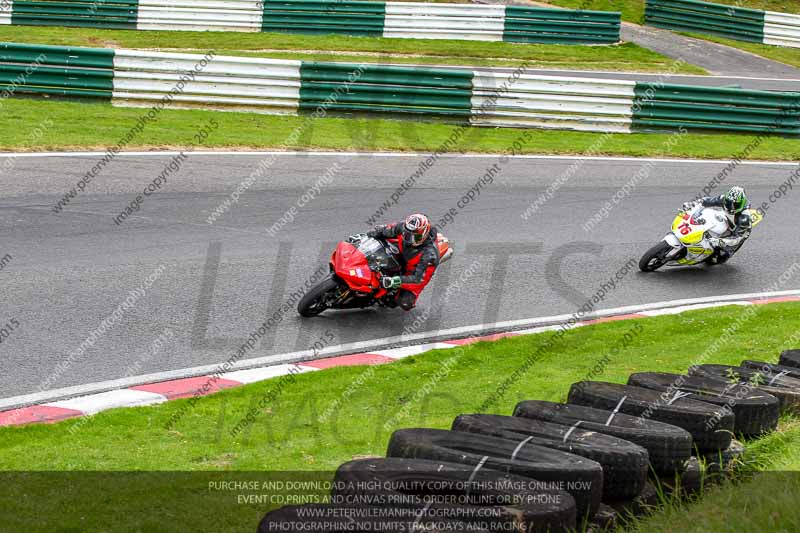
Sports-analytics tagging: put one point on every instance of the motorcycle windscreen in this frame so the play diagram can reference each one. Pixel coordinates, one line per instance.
(378, 257)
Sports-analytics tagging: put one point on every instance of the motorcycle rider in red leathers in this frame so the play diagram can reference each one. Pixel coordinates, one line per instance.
(415, 239)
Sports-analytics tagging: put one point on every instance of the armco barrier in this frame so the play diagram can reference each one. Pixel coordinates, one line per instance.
(716, 108)
(479, 98)
(266, 85)
(552, 102)
(203, 15)
(782, 29)
(537, 25)
(56, 70)
(742, 24)
(112, 14)
(360, 18)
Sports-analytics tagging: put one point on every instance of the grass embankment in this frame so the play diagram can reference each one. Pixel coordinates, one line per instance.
(781, 6)
(355, 404)
(633, 10)
(763, 501)
(50, 125)
(621, 57)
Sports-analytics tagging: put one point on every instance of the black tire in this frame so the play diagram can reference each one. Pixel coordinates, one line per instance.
(625, 464)
(755, 411)
(710, 426)
(653, 259)
(788, 396)
(605, 519)
(581, 477)
(644, 502)
(757, 377)
(668, 446)
(324, 518)
(724, 463)
(749, 375)
(518, 503)
(691, 481)
(790, 371)
(790, 358)
(312, 303)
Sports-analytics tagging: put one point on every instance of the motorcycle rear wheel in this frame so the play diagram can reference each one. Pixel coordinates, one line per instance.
(655, 257)
(313, 302)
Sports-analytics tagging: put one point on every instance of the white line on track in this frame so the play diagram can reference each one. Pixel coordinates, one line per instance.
(390, 154)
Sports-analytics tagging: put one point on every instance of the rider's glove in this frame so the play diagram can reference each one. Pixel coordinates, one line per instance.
(688, 206)
(391, 282)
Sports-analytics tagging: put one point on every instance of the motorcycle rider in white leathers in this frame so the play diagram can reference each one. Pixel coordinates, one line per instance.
(735, 205)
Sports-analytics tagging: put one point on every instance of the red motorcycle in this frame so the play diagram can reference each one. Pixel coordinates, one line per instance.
(357, 265)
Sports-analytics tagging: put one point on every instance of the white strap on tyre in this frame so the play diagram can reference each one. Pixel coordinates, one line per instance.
(477, 467)
(779, 375)
(519, 447)
(616, 410)
(678, 395)
(569, 432)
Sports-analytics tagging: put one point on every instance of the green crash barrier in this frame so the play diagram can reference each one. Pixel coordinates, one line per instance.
(715, 108)
(457, 95)
(558, 26)
(348, 17)
(396, 75)
(692, 15)
(111, 14)
(385, 89)
(57, 55)
(313, 16)
(56, 70)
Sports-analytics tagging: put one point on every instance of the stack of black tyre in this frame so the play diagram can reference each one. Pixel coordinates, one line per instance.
(596, 460)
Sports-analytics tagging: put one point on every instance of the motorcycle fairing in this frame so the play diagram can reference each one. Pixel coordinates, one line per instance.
(351, 265)
(691, 230)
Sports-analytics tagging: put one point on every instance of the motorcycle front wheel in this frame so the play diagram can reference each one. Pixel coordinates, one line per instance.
(315, 300)
(655, 257)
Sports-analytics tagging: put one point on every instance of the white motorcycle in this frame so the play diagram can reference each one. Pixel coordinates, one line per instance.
(695, 236)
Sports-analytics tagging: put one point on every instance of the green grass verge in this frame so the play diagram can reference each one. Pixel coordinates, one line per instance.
(361, 49)
(789, 56)
(765, 501)
(355, 403)
(49, 125)
(632, 10)
(781, 6)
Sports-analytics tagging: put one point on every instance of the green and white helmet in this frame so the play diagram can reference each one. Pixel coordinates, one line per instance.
(735, 200)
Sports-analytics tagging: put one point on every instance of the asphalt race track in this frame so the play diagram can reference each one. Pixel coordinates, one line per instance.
(70, 271)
